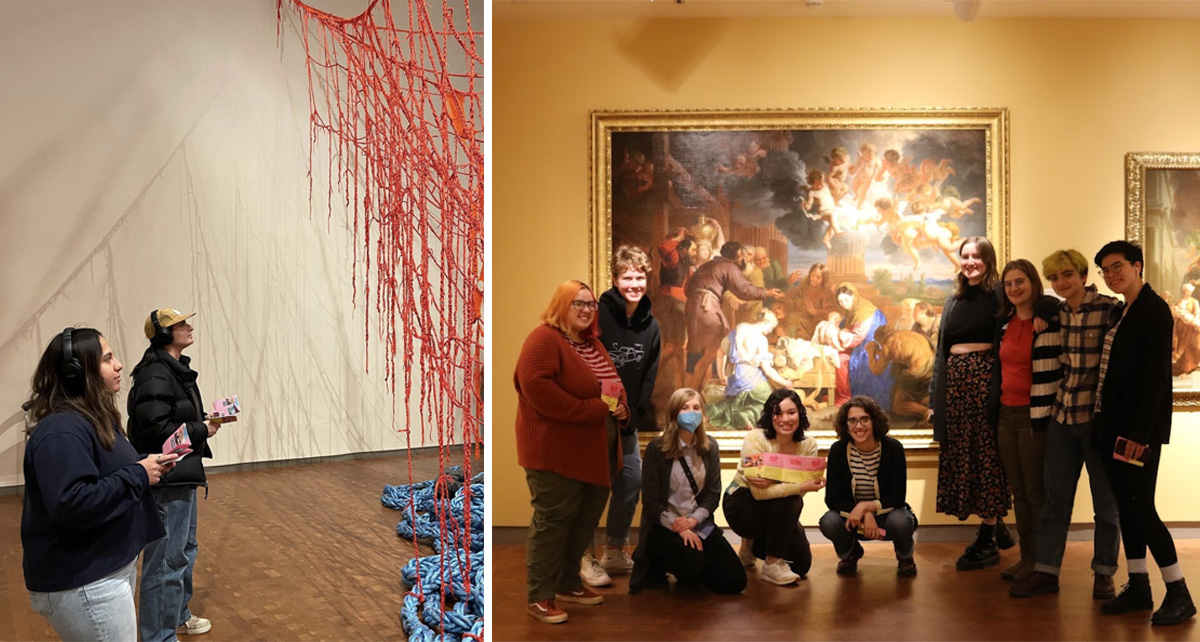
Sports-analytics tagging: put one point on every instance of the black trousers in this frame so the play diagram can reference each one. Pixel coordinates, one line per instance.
(773, 524)
(716, 567)
(1141, 527)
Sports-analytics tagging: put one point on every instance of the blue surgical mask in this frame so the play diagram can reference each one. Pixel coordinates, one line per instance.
(689, 421)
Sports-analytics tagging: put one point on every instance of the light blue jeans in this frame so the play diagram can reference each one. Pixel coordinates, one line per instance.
(167, 566)
(102, 610)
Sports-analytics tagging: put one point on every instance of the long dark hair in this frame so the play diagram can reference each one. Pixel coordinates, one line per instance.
(96, 403)
(767, 420)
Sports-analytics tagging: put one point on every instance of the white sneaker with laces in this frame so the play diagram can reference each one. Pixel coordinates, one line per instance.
(745, 553)
(195, 626)
(616, 560)
(777, 572)
(592, 573)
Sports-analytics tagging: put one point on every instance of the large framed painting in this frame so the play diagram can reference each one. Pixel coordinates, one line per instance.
(1162, 213)
(810, 249)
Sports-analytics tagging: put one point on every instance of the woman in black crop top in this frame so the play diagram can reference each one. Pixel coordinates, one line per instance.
(970, 473)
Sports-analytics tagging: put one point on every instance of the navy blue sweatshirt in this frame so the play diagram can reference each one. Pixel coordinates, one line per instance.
(633, 344)
(86, 513)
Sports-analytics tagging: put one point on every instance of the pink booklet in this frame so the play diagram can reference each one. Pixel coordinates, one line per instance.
(179, 443)
(225, 410)
(610, 392)
(1130, 452)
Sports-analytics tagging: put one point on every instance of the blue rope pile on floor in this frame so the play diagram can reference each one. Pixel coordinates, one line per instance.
(439, 578)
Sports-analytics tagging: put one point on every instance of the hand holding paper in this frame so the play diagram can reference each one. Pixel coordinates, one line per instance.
(225, 410)
(179, 443)
(610, 392)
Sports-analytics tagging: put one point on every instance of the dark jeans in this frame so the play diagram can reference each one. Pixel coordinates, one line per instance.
(565, 514)
(1068, 449)
(1141, 526)
(1023, 452)
(773, 524)
(899, 523)
(626, 487)
(716, 566)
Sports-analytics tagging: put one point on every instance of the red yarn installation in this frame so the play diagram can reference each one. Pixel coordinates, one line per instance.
(403, 137)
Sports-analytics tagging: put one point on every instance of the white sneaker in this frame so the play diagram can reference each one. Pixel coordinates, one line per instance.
(195, 626)
(592, 573)
(745, 552)
(616, 560)
(777, 572)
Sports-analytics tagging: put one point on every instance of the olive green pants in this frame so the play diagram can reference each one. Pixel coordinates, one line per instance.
(565, 515)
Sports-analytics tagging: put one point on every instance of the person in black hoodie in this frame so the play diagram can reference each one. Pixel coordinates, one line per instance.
(164, 397)
(629, 332)
(86, 512)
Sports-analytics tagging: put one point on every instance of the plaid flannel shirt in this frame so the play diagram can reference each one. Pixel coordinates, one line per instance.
(1082, 344)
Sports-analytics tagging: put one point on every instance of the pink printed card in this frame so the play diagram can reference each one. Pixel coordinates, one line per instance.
(179, 443)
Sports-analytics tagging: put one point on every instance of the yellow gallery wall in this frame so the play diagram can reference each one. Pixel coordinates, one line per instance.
(1081, 93)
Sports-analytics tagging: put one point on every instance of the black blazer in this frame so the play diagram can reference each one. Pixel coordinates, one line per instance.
(891, 482)
(656, 487)
(1136, 399)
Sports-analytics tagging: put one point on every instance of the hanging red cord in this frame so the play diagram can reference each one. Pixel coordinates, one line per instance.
(400, 111)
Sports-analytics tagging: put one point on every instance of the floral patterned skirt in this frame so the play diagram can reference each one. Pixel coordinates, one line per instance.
(970, 474)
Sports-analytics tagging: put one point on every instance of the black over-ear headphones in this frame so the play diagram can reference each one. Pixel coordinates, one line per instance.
(71, 370)
(162, 336)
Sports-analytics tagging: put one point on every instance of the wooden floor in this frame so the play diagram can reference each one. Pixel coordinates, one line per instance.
(940, 603)
(302, 552)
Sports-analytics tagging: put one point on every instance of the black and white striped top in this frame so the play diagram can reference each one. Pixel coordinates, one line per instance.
(864, 470)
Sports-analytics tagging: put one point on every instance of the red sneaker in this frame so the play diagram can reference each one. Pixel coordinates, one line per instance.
(581, 595)
(547, 612)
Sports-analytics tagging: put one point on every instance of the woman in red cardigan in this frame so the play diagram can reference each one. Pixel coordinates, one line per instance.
(566, 430)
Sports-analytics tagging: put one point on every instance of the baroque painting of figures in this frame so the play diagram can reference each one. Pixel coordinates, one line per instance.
(816, 260)
(1172, 239)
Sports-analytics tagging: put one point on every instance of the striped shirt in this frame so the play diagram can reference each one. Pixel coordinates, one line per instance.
(1083, 333)
(864, 470)
(598, 361)
(1108, 341)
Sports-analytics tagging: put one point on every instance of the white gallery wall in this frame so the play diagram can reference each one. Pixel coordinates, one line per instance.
(156, 154)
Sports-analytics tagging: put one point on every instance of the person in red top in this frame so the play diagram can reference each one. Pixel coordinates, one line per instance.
(564, 432)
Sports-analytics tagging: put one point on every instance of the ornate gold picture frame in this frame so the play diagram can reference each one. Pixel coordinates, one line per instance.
(1162, 213)
(869, 203)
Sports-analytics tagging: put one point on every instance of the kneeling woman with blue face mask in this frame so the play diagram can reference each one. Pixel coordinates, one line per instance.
(681, 487)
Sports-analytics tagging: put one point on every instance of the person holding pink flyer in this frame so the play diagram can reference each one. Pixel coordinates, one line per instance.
(1134, 403)
(87, 511)
(865, 489)
(164, 398)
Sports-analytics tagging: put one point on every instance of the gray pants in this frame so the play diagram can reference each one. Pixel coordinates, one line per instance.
(1068, 449)
(565, 515)
(1023, 452)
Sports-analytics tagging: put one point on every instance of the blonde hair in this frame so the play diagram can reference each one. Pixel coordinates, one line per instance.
(629, 257)
(555, 314)
(1065, 260)
(670, 433)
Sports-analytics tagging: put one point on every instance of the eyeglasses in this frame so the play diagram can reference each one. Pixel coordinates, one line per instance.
(858, 421)
(1113, 268)
(584, 305)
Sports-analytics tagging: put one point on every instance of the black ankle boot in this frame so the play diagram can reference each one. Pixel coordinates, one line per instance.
(1134, 596)
(982, 553)
(1176, 607)
(1004, 539)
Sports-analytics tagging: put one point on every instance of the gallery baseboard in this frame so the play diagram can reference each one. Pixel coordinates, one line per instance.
(517, 535)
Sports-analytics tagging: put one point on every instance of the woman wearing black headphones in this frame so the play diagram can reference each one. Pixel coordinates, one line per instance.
(87, 513)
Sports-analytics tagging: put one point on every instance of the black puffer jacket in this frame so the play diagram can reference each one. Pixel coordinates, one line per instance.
(165, 395)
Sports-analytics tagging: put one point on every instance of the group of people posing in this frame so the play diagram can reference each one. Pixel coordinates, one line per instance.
(1026, 389)
(99, 494)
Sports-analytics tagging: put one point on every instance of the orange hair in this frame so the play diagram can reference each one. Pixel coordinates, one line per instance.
(555, 314)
